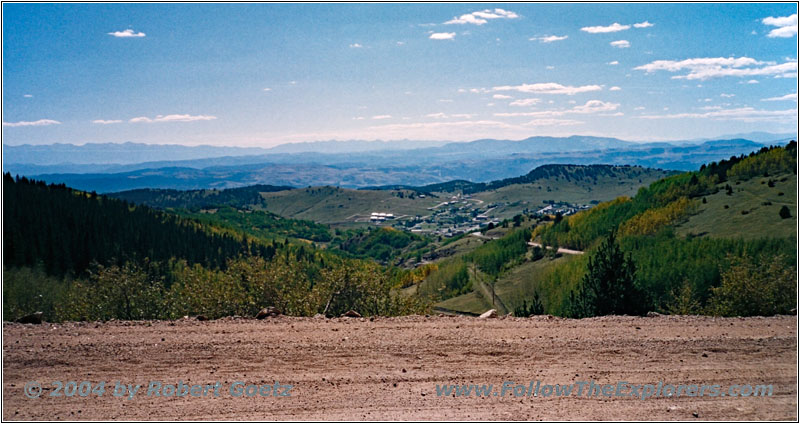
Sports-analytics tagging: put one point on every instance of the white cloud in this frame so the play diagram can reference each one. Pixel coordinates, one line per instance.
(549, 38)
(484, 124)
(727, 95)
(744, 114)
(39, 123)
(615, 27)
(356, 46)
(381, 116)
(752, 82)
(614, 88)
(790, 96)
(613, 62)
(639, 108)
(786, 26)
(27, 96)
(620, 44)
(267, 89)
(550, 67)
(107, 121)
(482, 17)
(359, 118)
(548, 88)
(171, 118)
(442, 36)
(644, 24)
(525, 102)
(400, 43)
(592, 106)
(441, 115)
(501, 97)
(714, 67)
(551, 122)
(128, 33)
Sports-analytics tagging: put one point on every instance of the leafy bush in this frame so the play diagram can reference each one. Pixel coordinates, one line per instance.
(449, 280)
(29, 290)
(755, 286)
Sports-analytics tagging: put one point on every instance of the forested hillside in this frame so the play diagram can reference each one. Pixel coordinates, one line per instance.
(67, 230)
(749, 271)
(78, 256)
(544, 172)
(195, 200)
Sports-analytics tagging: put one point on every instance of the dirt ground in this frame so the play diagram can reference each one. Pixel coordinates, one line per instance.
(388, 369)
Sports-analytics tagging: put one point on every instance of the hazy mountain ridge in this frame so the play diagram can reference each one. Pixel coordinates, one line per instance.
(477, 161)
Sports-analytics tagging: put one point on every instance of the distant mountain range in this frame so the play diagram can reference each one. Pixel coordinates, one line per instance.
(116, 167)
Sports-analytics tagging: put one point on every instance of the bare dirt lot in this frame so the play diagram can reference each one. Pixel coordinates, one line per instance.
(388, 369)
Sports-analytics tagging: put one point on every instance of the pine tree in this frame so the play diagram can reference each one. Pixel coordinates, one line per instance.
(608, 288)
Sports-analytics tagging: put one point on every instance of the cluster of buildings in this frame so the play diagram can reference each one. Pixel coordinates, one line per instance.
(378, 217)
(563, 209)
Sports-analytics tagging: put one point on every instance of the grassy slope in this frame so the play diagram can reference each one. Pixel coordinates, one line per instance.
(532, 196)
(331, 205)
(711, 219)
(714, 220)
(511, 287)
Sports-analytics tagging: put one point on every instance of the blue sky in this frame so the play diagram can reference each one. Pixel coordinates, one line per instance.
(265, 74)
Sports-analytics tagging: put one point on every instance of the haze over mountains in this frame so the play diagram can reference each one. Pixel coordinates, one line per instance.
(113, 167)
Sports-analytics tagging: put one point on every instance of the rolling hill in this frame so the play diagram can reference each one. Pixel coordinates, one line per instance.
(477, 161)
(684, 233)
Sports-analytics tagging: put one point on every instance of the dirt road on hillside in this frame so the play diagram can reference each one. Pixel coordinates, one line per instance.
(388, 369)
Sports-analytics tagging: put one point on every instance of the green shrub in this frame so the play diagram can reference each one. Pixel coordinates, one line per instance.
(755, 286)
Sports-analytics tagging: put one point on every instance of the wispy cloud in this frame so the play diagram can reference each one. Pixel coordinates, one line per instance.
(106, 121)
(128, 33)
(551, 122)
(356, 46)
(791, 96)
(715, 67)
(171, 118)
(442, 115)
(614, 88)
(39, 123)
(443, 36)
(644, 24)
(590, 107)
(727, 95)
(786, 26)
(501, 97)
(482, 17)
(615, 27)
(27, 96)
(525, 102)
(744, 114)
(613, 62)
(381, 117)
(548, 88)
(549, 38)
(620, 44)
(267, 89)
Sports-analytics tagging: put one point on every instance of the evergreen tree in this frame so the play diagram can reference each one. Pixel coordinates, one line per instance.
(608, 287)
